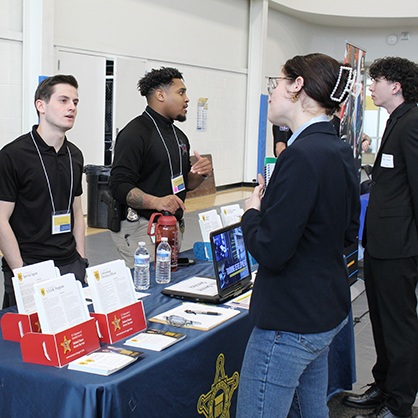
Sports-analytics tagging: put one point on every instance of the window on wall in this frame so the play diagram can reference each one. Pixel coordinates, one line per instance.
(109, 112)
(374, 120)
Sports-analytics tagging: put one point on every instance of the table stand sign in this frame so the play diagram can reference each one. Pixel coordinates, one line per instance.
(14, 326)
(60, 348)
(120, 323)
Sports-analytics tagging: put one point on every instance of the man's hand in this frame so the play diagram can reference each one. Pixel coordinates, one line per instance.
(137, 199)
(202, 166)
(169, 203)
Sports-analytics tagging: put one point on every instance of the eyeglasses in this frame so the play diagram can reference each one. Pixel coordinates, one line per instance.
(179, 321)
(273, 82)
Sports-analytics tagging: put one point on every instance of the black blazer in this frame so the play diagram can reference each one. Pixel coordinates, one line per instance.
(309, 212)
(391, 229)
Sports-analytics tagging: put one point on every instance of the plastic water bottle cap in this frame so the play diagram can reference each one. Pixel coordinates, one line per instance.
(164, 239)
(141, 243)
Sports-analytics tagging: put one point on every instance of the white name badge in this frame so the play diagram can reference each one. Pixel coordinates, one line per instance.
(61, 223)
(387, 161)
(177, 183)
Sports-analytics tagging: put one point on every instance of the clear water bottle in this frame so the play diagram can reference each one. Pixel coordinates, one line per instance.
(163, 265)
(141, 269)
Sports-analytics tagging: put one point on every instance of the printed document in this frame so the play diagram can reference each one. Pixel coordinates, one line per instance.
(60, 303)
(24, 280)
(111, 286)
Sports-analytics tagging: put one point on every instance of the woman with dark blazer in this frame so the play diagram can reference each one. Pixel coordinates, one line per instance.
(297, 233)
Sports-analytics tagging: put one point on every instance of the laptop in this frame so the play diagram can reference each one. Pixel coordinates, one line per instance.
(232, 270)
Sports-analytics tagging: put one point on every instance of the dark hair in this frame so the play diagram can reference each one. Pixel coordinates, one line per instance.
(320, 73)
(46, 87)
(399, 70)
(157, 79)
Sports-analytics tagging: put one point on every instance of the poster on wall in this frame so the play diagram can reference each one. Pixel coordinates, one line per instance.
(351, 129)
(202, 114)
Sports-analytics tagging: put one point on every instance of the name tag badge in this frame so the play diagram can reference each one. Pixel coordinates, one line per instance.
(387, 161)
(177, 184)
(61, 223)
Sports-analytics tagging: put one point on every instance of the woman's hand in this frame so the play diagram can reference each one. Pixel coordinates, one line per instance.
(254, 202)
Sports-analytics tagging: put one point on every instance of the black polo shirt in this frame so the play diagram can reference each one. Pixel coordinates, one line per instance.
(142, 160)
(23, 181)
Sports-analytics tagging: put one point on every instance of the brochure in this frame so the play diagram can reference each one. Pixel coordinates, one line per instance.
(105, 361)
(196, 316)
(155, 339)
(231, 214)
(60, 304)
(209, 221)
(111, 286)
(24, 280)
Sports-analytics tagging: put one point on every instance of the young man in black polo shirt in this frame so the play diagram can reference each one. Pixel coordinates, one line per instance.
(151, 168)
(40, 189)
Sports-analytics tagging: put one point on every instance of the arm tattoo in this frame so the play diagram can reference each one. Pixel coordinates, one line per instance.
(137, 199)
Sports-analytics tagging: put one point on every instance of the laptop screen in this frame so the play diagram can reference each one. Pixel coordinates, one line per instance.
(230, 257)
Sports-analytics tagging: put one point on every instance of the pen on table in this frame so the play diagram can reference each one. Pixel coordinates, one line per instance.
(189, 311)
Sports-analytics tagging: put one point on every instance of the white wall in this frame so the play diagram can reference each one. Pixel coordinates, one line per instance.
(207, 40)
(331, 40)
(210, 33)
(10, 70)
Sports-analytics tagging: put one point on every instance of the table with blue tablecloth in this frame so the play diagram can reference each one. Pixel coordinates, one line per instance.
(196, 377)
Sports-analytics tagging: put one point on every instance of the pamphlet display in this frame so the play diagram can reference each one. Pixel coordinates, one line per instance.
(61, 348)
(210, 221)
(13, 325)
(155, 339)
(116, 309)
(105, 361)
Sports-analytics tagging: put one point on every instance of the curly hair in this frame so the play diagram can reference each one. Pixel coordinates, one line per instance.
(399, 70)
(321, 75)
(157, 79)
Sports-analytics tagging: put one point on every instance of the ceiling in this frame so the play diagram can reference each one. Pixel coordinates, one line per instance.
(345, 21)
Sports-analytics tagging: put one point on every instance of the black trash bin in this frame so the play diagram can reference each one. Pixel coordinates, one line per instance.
(97, 182)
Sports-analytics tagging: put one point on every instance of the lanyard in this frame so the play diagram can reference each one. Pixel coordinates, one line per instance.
(165, 146)
(47, 178)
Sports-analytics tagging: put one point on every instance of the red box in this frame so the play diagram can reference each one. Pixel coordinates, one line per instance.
(121, 323)
(14, 326)
(60, 348)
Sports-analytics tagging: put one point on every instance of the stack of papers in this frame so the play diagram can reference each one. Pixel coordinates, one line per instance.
(24, 280)
(231, 214)
(105, 361)
(155, 339)
(111, 286)
(60, 304)
(209, 221)
(196, 316)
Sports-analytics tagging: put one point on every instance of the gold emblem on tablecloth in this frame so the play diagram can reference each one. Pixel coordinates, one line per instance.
(217, 402)
(66, 344)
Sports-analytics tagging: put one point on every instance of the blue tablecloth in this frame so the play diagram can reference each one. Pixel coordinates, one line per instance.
(185, 380)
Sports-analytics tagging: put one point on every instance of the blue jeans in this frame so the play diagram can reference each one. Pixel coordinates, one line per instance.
(285, 375)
